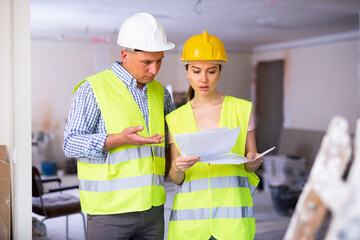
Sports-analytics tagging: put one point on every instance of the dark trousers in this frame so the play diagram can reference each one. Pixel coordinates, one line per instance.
(146, 225)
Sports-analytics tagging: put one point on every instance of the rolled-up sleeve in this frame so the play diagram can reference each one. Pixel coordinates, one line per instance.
(85, 131)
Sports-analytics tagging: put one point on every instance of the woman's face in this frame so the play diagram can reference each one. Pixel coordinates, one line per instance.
(203, 77)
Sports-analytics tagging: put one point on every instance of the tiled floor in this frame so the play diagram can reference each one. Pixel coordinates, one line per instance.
(269, 225)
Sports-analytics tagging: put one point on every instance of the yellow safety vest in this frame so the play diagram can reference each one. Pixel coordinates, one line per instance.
(214, 199)
(130, 178)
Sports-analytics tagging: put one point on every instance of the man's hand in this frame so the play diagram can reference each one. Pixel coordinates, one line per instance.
(253, 165)
(129, 136)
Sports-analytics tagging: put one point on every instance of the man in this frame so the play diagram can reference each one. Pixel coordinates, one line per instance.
(116, 128)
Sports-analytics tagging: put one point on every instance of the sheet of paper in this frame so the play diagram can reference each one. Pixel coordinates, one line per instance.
(263, 153)
(229, 158)
(211, 145)
(232, 158)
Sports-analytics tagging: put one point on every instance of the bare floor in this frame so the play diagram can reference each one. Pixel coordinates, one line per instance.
(269, 225)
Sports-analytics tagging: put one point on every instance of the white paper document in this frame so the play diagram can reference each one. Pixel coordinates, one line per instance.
(263, 153)
(212, 146)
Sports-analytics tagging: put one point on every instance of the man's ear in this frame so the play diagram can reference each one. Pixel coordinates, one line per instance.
(124, 55)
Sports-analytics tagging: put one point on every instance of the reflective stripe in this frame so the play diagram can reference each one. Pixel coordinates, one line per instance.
(126, 155)
(231, 182)
(159, 180)
(252, 189)
(204, 213)
(216, 182)
(193, 186)
(159, 151)
(120, 183)
(233, 212)
(190, 214)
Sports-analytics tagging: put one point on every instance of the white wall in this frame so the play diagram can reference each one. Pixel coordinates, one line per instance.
(320, 81)
(57, 67)
(15, 97)
(235, 80)
(172, 72)
(237, 76)
(5, 73)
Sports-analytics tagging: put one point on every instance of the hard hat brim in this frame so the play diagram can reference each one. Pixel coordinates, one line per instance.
(204, 61)
(164, 47)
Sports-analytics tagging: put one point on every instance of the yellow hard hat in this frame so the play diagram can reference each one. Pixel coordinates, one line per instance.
(203, 47)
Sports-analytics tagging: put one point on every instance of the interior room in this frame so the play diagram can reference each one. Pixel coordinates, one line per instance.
(296, 61)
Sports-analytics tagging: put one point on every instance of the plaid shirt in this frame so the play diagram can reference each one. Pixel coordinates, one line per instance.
(85, 131)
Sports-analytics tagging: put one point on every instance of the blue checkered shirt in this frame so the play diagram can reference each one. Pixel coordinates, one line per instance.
(85, 131)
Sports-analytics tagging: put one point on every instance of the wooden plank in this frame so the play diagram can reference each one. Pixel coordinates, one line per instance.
(320, 190)
(346, 213)
(3, 152)
(4, 195)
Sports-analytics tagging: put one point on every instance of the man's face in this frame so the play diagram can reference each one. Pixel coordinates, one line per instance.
(143, 66)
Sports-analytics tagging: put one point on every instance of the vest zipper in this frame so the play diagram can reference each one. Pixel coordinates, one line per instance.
(209, 191)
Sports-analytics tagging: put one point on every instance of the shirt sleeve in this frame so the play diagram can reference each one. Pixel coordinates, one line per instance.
(82, 138)
(169, 106)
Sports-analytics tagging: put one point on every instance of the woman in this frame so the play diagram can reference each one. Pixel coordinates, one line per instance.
(214, 201)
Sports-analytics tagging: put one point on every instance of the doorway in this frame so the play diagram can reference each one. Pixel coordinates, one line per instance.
(269, 104)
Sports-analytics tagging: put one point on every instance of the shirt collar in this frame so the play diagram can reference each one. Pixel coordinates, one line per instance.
(124, 75)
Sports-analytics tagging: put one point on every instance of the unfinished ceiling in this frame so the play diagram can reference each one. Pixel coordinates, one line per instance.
(241, 24)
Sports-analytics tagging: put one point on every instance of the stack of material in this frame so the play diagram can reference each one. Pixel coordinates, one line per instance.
(284, 170)
(284, 176)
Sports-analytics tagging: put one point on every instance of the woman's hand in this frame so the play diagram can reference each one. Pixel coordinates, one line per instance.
(184, 163)
(253, 165)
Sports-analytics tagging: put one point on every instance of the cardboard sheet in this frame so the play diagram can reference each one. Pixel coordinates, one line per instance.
(4, 195)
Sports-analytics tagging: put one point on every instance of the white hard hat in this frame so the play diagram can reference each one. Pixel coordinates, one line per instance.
(144, 32)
